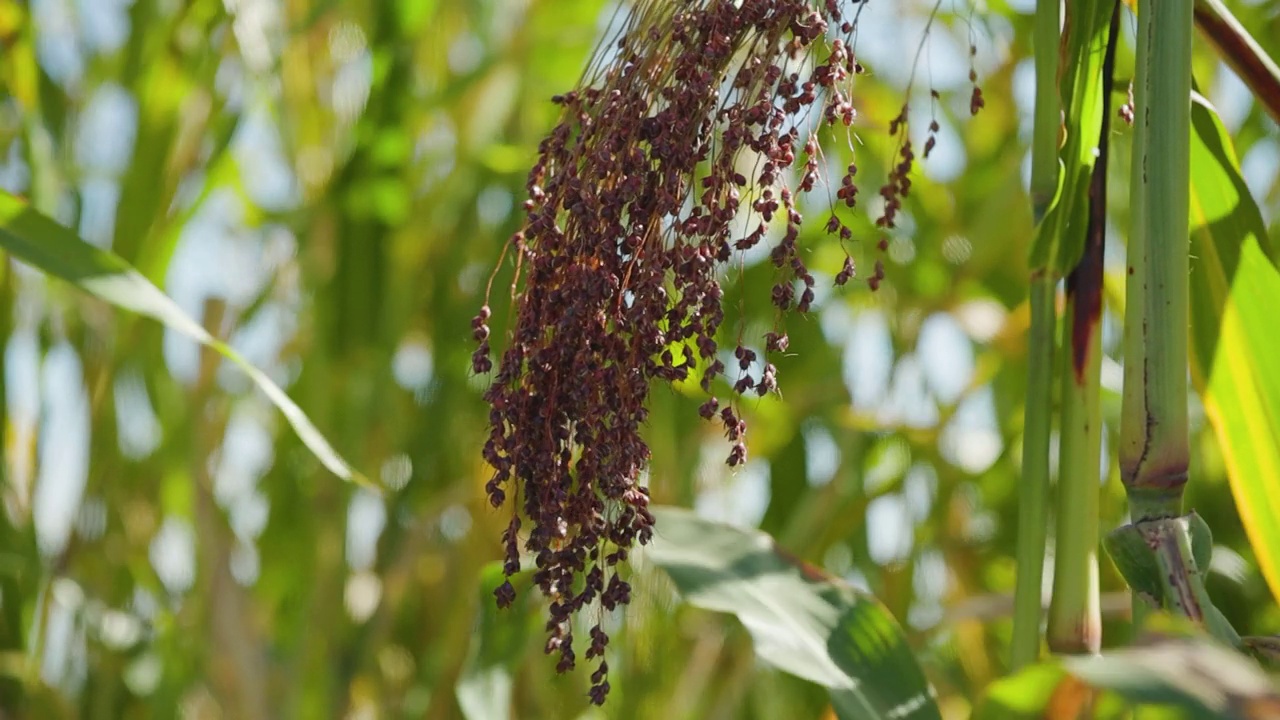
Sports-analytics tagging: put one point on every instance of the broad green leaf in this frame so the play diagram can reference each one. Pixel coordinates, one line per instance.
(1172, 671)
(803, 621)
(41, 242)
(1235, 349)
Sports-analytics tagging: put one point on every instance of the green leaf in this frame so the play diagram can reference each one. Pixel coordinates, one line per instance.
(1185, 670)
(1025, 694)
(1059, 240)
(1235, 349)
(1047, 692)
(803, 621)
(1173, 671)
(41, 242)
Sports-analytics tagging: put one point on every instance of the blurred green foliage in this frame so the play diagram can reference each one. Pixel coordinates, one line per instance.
(326, 185)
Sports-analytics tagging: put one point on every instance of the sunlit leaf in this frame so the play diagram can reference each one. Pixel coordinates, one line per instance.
(803, 621)
(1184, 670)
(39, 241)
(1047, 692)
(1025, 694)
(1235, 349)
(1173, 672)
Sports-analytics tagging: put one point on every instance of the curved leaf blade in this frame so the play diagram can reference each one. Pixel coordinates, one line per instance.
(42, 243)
(1173, 670)
(1184, 669)
(1235, 350)
(802, 621)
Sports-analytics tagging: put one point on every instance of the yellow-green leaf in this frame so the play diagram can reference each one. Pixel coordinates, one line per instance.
(1235, 346)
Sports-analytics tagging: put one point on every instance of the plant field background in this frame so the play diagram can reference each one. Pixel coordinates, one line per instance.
(327, 185)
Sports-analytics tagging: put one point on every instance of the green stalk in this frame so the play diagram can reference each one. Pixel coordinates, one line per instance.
(1075, 619)
(1033, 493)
(1161, 544)
(1155, 482)
(1133, 410)
(1048, 108)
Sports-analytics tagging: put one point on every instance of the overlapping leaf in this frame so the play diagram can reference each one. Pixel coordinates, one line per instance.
(803, 621)
(1173, 671)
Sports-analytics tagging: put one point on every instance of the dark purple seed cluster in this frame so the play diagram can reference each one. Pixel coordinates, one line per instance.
(635, 204)
(976, 102)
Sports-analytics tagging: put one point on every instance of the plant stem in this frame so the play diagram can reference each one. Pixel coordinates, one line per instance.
(1133, 405)
(1133, 411)
(1075, 622)
(1155, 482)
(1033, 491)
(1170, 540)
(1074, 614)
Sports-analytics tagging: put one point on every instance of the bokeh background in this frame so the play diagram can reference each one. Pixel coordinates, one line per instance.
(327, 185)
